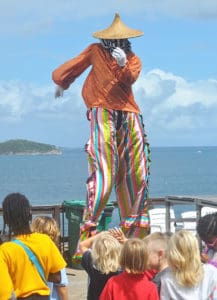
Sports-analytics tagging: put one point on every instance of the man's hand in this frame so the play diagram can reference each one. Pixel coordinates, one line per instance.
(58, 92)
(120, 56)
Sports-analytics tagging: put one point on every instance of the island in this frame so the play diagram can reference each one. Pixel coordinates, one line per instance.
(25, 147)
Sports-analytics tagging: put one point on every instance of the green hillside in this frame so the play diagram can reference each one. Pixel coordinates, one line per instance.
(27, 147)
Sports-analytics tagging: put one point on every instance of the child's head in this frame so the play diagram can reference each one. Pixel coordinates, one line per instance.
(157, 244)
(47, 225)
(105, 253)
(207, 230)
(134, 256)
(184, 258)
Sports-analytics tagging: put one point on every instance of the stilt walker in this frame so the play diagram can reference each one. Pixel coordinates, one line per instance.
(118, 151)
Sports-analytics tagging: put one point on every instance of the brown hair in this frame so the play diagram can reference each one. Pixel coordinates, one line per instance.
(134, 256)
(47, 225)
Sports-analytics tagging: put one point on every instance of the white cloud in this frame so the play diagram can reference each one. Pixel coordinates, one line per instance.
(169, 102)
(171, 107)
(29, 16)
(20, 99)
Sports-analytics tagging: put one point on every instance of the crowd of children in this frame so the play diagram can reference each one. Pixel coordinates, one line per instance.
(164, 265)
(161, 266)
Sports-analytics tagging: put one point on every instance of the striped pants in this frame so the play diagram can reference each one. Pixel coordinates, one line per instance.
(118, 155)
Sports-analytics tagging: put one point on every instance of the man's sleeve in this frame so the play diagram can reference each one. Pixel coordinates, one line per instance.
(65, 74)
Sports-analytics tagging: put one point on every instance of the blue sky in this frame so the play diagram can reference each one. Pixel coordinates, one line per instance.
(176, 91)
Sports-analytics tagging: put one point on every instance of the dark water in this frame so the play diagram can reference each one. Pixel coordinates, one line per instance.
(54, 178)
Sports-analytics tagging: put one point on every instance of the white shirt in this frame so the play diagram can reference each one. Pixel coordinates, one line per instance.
(205, 290)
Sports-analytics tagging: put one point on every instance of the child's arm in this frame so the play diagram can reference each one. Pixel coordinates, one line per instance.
(118, 234)
(86, 244)
(63, 292)
(62, 287)
(55, 277)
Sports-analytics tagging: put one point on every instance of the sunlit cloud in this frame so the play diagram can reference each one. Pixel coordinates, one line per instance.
(169, 102)
(19, 99)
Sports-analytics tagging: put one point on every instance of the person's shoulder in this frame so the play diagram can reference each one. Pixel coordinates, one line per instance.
(95, 46)
(6, 245)
(91, 49)
(86, 257)
(166, 275)
(210, 269)
(42, 237)
(39, 235)
(158, 276)
(131, 56)
(116, 279)
(210, 275)
(164, 272)
(87, 253)
(151, 285)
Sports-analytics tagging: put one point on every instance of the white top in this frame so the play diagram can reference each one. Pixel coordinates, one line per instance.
(205, 290)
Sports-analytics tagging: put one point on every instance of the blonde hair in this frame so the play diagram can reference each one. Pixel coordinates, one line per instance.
(105, 253)
(134, 256)
(184, 258)
(47, 225)
(158, 241)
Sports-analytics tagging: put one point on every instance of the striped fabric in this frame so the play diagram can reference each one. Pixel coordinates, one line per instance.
(118, 154)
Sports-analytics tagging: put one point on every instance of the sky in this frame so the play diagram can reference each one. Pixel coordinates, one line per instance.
(176, 90)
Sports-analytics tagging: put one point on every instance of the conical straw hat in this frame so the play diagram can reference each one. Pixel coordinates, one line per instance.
(117, 30)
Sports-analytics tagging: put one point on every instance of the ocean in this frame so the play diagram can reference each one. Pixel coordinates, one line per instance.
(51, 179)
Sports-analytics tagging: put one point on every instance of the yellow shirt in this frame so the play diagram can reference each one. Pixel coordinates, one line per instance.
(107, 85)
(17, 271)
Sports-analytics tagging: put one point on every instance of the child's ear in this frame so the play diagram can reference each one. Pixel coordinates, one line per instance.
(161, 253)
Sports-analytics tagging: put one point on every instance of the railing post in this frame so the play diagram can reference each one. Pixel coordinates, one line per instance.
(167, 215)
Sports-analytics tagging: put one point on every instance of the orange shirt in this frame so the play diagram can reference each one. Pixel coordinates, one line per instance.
(107, 85)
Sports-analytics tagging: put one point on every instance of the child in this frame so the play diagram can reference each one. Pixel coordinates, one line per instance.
(120, 236)
(132, 283)
(187, 278)
(100, 260)
(207, 231)
(157, 244)
(49, 226)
